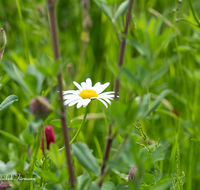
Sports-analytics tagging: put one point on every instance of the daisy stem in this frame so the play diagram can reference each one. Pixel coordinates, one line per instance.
(82, 124)
(55, 45)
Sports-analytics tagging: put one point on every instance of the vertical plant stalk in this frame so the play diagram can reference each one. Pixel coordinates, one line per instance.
(123, 45)
(107, 168)
(193, 12)
(110, 137)
(54, 33)
(81, 126)
(107, 150)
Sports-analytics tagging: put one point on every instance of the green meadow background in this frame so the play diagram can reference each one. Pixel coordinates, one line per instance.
(161, 63)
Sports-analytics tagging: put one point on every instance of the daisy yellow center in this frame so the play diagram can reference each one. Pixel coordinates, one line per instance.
(85, 94)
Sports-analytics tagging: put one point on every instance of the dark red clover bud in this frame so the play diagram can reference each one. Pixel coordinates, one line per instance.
(5, 186)
(49, 136)
(38, 109)
(132, 173)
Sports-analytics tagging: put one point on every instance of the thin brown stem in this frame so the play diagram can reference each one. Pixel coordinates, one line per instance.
(108, 147)
(120, 62)
(54, 33)
(107, 169)
(123, 45)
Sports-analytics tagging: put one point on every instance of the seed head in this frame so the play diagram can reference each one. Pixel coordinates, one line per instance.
(5, 186)
(38, 109)
(132, 173)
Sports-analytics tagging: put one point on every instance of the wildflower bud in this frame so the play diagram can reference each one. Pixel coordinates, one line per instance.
(132, 173)
(5, 186)
(49, 135)
(180, 1)
(38, 108)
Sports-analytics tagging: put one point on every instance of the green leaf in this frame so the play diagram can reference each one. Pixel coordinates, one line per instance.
(164, 184)
(121, 175)
(142, 105)
(8, 102)
(56, 122)
(75, 123)
(50, 176)
(7, 169)
(159, 153)
(156, 103)
(31, 70)
(130, 76)
(104, 8)
(15, 74)
(13, 153)
(34, 125)
(108, 185)
(26, 136)
(54, 154)
(196, 141)
(138, 46)
(11, 137)
(124, 186)
(83, 181)
(63, 176)
(52, 69)
(85, 157)
(121, 9)
(51, 186)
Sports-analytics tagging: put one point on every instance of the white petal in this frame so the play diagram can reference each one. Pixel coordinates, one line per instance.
(102, 88)
(71, 92)
(88, 83)
(70, 96)
(103, 102)
(86, 102)
(83, 84)
(78, 86)
(71, 100)
(74, 102)
(96, 86)
(80, 103)
(107, 100)
(108, 93)
(106, 96)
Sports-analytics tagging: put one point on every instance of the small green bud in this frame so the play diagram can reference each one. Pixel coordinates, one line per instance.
(2, 39)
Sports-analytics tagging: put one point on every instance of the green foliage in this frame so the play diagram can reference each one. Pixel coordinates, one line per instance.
(154, 122)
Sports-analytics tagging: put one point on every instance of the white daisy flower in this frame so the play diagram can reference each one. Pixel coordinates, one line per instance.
(86, 92)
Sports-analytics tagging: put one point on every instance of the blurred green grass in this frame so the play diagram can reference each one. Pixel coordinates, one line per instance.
(164, 57)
